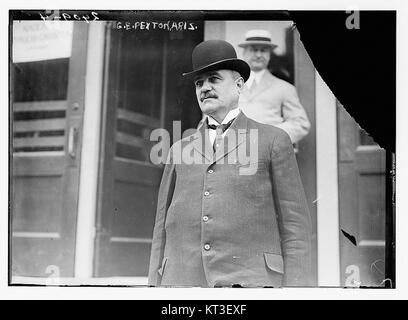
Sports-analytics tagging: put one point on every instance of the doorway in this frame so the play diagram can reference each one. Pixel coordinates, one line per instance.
(143, 90)
(362, 204)
(47, 100)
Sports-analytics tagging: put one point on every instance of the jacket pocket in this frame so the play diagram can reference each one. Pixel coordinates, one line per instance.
(163, 265)
(274, 262)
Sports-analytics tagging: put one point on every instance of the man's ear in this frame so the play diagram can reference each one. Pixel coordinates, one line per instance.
(240, 84)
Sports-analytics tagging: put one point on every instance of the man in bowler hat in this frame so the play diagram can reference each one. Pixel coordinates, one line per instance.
(221, 222)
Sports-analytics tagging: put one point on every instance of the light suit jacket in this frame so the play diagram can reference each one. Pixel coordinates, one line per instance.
(224, 223)
(276, 102)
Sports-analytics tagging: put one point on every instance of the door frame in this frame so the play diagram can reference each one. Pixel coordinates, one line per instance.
(328, 246)
(85, 237)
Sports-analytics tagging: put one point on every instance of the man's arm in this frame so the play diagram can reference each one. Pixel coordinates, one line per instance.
(293, 213)
(159, 236)
(296, 123)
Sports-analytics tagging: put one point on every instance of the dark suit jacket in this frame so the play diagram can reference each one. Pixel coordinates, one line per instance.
(222, 223)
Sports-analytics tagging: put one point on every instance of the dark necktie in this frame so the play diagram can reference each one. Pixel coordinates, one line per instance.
(219, 130)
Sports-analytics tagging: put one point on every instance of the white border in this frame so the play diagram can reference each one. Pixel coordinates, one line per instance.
(197, 293)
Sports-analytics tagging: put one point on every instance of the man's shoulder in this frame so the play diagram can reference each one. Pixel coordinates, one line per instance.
(270, 137)
(187, 137)
(266, 130)
(278, 82)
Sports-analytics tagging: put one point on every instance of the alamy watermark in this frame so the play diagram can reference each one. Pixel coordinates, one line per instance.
(239, 147)
(353, 19)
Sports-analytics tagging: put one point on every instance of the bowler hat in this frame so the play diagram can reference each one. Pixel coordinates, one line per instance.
(258, 37)
(216, 55)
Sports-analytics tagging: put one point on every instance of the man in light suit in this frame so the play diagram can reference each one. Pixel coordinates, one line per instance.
(266, 98)
(221, 220)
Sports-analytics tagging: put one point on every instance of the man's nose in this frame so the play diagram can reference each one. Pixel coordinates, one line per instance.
(206, 86)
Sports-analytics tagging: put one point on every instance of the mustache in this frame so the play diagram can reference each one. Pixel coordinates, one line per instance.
(207, 95)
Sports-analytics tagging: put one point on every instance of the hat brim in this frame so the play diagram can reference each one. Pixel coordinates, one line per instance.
(230, 64)
(257, 43)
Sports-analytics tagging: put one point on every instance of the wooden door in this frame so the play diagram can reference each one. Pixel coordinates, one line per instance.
(47, 101)
(362, 191)
(143, 91)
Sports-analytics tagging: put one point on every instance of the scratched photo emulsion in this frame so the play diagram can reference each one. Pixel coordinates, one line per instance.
(185, 149)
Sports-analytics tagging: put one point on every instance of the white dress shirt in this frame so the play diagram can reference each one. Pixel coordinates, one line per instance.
(230, 115)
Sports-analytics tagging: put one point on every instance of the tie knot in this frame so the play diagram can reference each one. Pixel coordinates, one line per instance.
(221, 127)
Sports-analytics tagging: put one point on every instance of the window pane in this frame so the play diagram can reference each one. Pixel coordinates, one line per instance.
(141, 69)
(41, 53)
(40, 80)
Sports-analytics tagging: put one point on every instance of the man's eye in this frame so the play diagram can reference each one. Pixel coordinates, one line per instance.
(198, 83)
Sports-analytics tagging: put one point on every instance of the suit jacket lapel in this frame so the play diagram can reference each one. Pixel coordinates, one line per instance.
(205, 149)
(235, 136)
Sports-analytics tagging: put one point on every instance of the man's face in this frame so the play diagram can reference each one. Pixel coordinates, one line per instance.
(257, 56)
(217, 91)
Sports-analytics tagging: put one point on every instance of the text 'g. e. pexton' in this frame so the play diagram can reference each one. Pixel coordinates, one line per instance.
(155, 25)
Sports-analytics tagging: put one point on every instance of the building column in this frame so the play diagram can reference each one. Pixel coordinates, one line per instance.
(85, 237)
(328, 247)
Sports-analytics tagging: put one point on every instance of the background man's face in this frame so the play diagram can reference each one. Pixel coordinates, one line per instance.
(217, 91)
(257, 56)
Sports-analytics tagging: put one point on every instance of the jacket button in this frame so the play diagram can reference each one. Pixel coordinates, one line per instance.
(205, 218)
(206, 193)
(210, 171)
(207, 247)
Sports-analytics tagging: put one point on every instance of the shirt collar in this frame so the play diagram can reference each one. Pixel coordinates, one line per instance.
(255, 76)
(258, 75)
(230, 115)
